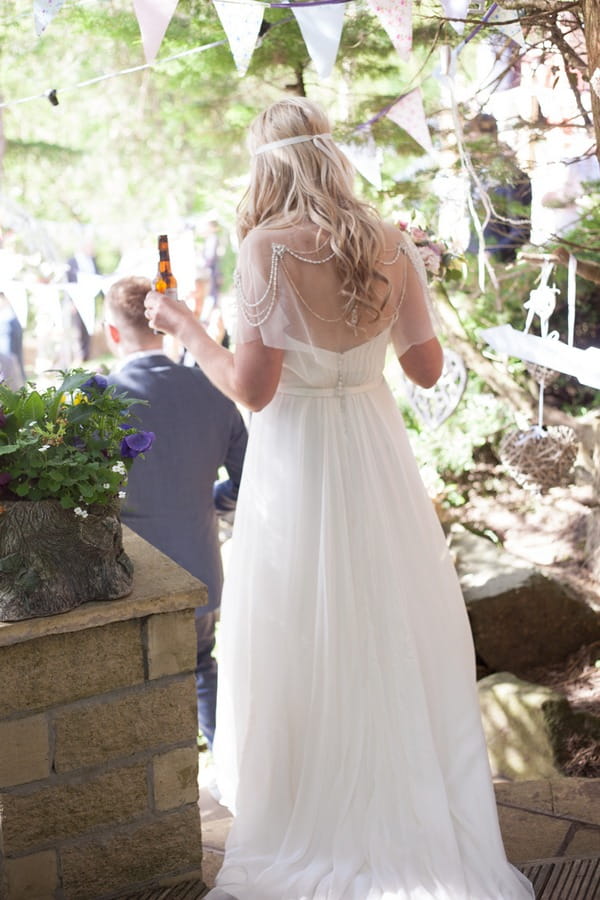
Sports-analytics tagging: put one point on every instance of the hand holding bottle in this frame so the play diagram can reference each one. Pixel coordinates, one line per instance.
(166, 315)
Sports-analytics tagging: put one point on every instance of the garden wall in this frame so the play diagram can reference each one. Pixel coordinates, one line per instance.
(98, 752)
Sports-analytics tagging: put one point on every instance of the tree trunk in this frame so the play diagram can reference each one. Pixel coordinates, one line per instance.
(591, 17)
(52, 560)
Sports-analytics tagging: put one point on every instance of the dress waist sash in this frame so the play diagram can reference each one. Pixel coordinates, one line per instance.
(339, 390)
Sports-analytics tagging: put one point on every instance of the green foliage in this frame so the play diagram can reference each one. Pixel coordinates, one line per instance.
(477, 421)
(69, 442)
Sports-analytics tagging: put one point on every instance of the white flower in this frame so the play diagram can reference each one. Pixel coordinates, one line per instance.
(80, 512)
(120, 468)
(45, 447)
(106, 485)
(122, 494)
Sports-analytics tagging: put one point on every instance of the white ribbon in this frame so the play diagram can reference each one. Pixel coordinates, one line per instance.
(571, 290)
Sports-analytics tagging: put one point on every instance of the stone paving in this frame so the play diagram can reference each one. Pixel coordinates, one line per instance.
(540, 820)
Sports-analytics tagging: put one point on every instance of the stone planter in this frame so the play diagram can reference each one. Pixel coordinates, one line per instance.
(52, 560)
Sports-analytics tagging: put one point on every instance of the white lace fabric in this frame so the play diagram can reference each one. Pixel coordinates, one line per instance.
(289, 291)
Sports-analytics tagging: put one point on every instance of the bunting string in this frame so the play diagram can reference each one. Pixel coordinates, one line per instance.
(106, 76)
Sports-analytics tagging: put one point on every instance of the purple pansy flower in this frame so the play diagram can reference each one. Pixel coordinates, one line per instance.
(5, 477)
(134, 444)
(96, 382)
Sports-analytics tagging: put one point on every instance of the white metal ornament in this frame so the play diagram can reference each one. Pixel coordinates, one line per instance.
(541, 457)
(434, 405)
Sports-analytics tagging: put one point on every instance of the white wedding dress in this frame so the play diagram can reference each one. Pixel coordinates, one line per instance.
(349, 743)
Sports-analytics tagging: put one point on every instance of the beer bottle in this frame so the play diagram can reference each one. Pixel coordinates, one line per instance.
(165, 282)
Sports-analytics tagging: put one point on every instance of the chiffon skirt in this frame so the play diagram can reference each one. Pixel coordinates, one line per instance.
(349, 743)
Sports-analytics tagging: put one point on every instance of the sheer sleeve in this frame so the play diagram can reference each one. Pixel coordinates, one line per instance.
(415, 322)
(260, 313)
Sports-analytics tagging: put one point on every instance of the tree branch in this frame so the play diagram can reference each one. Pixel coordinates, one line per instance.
(543, 6)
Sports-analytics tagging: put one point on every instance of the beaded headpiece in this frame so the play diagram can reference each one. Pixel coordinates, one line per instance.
(284, 142)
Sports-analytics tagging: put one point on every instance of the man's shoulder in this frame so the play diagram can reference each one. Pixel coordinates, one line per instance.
(161, 371)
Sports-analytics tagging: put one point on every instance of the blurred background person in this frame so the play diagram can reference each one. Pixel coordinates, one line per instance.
(11, 343)
(172, 498)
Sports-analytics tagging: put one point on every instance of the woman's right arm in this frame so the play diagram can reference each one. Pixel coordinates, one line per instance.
(249, 376)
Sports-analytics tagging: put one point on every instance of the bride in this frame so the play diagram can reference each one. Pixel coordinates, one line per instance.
(349, 744)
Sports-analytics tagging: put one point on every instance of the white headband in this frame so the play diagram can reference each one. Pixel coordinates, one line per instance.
(284, 142)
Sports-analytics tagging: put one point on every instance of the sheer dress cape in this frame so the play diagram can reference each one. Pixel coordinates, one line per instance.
(289, 290)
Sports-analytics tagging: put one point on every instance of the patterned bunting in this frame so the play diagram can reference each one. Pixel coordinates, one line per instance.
(43, 13)
(396, 18)
(241, 23)
(321, 28)
(513, 30)
(409, 114)
(153, 18)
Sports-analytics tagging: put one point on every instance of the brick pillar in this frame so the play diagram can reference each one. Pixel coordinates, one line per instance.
(98, 755)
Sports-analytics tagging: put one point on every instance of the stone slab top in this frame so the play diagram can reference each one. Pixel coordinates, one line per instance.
(159, 586)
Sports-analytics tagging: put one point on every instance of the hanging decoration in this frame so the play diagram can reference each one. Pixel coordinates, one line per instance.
(43, 13)
(542, 457)
(153, 18)
(408, 113)
(436, 404)
(241, 23)
(396, 18)
(321, 29)
(548, 350)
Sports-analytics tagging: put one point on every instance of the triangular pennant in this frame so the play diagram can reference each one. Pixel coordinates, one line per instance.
(366, 157)
(409, 114)
(456, 9)
(513, 30)
(321, 28)
(153, 18)
(241, 23)
(43, 13)
(396, 18)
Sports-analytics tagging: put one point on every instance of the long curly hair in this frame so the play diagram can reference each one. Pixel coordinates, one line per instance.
(314, 182)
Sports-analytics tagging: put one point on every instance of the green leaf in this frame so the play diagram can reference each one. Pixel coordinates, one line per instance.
(33, 408)
(8, 448)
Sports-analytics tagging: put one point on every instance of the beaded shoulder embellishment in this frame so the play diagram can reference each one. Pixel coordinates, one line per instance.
(257, 312)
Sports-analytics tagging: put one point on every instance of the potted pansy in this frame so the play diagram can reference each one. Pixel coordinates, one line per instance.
(65, 451)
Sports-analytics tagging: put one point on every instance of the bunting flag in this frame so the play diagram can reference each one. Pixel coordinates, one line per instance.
(396, 18)
(366, 157)
(241, 23)
(153, 18)
(513, 30)
(43, 13)
(409, 114)
(321, 28)
(456, 9)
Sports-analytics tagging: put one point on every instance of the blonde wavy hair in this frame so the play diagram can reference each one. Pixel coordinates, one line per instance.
(304, 182)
